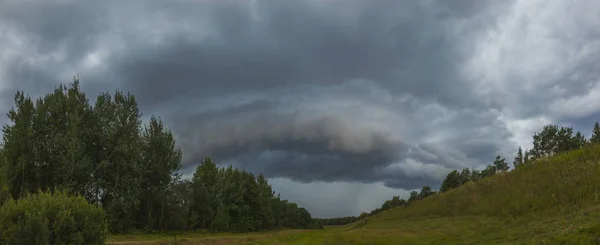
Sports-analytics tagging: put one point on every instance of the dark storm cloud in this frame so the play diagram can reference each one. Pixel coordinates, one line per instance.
(402, 45)
(288, 145)
(52, 24)
(270, 44)
(254, 49)
(395, 92)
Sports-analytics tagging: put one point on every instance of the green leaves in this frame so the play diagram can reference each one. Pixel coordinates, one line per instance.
(425, 192)
(595, 134)
(519, 159)
(552, 140)
(500, 165)
(227, 199)
(100, 152)
(451, 181)
(159, 162)
(56, 218)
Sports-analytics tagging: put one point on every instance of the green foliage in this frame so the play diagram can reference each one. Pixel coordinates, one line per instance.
(227, 199)
(222, 220)
(46, 218)
(425, 192)
(595, 134)
(527, 159)
(99, 152)
(413, 196)
(4, 192)
(18, 154)
(519, 159)
(553, 140)
(120, 169)
(452, 180)
(160, 161)
(204, 186)
(500, 165)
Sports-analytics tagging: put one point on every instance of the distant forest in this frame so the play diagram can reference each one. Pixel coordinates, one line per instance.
(103, 153)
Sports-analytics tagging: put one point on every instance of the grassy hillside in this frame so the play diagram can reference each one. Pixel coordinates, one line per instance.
(553, 201)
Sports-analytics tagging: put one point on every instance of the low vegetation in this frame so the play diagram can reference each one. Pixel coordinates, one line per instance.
(46, 218)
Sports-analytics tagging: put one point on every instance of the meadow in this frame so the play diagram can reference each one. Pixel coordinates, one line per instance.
(554, 201)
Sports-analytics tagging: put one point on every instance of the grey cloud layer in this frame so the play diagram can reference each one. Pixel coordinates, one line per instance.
(398, 92)
(322, 124)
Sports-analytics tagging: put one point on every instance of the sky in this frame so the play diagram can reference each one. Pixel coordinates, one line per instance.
(342, 104)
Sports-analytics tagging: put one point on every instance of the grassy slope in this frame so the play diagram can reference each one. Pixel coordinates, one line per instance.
(555, 201)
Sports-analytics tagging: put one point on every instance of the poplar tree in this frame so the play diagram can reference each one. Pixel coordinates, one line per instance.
(595, 134)
(518, 158)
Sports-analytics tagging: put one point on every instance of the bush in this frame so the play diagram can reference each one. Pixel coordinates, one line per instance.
(57, 218)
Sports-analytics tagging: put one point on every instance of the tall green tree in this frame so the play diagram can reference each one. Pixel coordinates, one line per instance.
(204, 189)
(47, 144)
(76, 163)
(452, 180)
(595, 134)
(553, 139)
(578, 141)
(490, 170)
(527, 157)
(19, 161)
(386, 205)
(177, 205)
(545, 143)
(119, 172)
(476, 175)
(160, 161)
(425, 192)
(265, 209)
(4, 192)
(465, 176)
(518, 158)
(414, 195)
(500, 165)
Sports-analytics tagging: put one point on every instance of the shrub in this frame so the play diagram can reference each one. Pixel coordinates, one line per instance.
(56, 218)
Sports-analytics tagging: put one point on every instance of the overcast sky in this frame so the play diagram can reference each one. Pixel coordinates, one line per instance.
(341, 103)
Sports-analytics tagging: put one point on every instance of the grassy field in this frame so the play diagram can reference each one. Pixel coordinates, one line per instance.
(555, 201)
(559, 227)
(200, 238)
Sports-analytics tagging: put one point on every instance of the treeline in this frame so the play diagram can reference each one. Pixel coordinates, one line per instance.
(551, 140)
(336, 221)
(230, 199)
(394, 202)
(103, 153)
